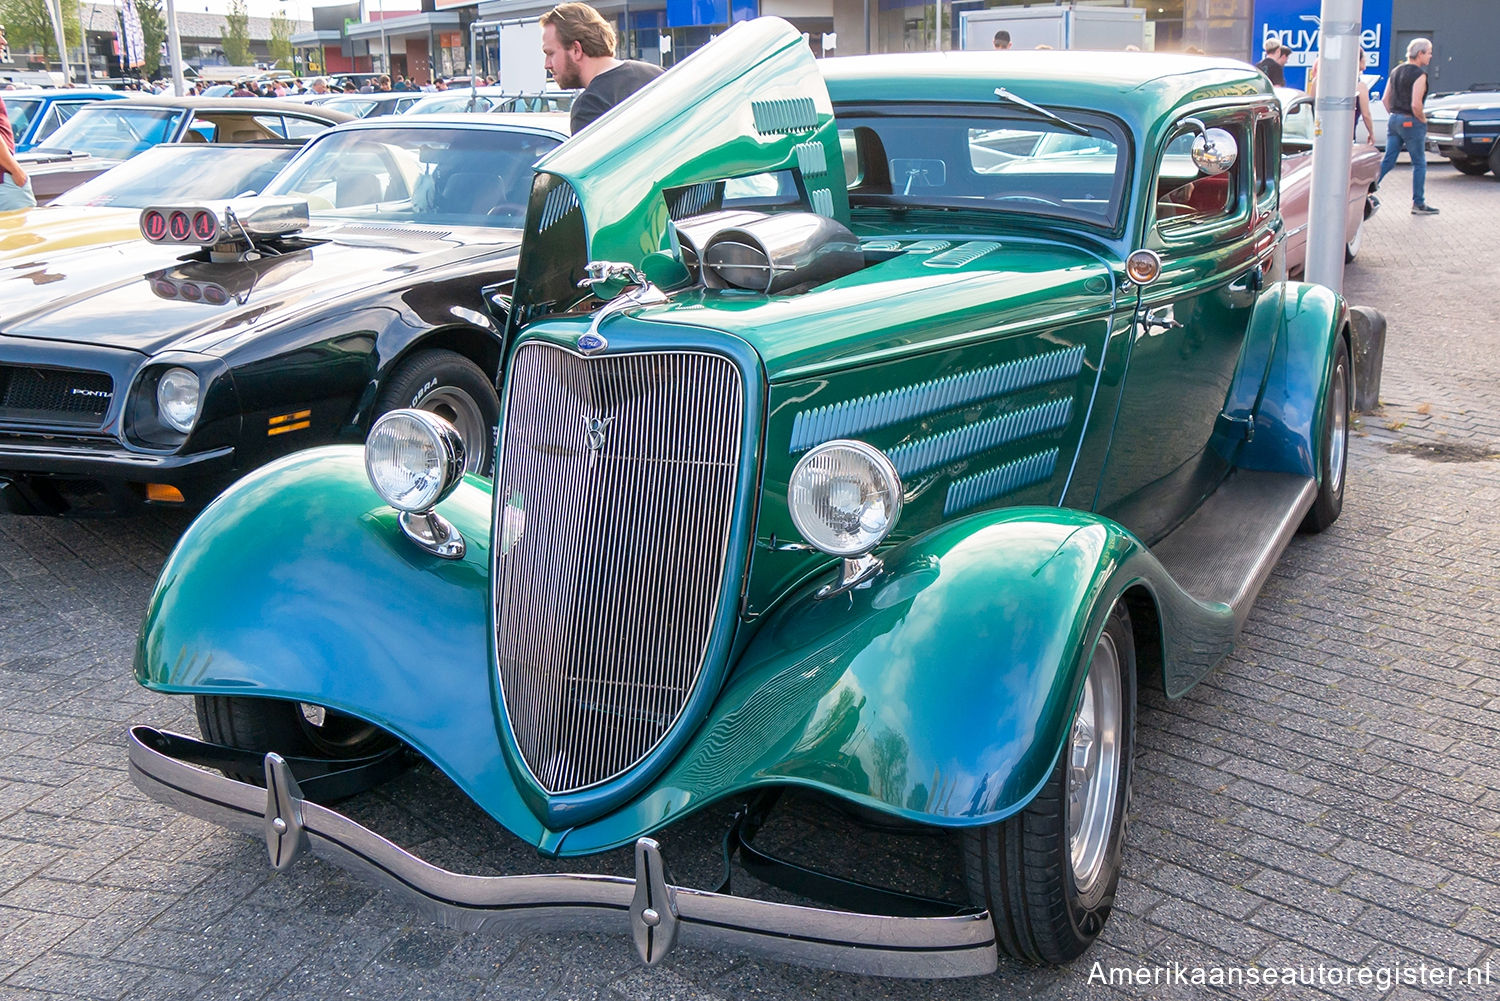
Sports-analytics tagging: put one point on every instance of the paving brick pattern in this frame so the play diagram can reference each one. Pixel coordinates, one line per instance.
(1330, 795)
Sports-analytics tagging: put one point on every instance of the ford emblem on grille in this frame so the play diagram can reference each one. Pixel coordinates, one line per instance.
(591, 343)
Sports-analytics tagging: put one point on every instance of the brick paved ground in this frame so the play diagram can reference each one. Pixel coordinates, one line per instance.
(1330, 795)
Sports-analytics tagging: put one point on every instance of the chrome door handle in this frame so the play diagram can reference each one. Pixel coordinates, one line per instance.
(1253, 281)
(1162, 318)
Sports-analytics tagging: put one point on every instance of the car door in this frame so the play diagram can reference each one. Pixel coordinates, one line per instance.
(1212, 234)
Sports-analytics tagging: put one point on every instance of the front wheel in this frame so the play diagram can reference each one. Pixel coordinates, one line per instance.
(1329, 502)
(453, 387)
(1048, 874)
(1467, 166)
(291, 729)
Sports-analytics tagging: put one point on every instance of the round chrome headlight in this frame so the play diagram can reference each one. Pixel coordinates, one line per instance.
(177, 398)
(414, 459)
(845, 497)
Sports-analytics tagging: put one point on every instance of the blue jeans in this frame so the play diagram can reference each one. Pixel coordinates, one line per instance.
(13, 197)
(1405, 132)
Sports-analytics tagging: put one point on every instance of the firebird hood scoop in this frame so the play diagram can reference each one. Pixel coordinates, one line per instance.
(750, 102)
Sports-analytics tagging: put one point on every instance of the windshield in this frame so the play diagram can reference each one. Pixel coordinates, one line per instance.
(20, 113)
(437, 176)
(181, 174)
(116, 130)
(997, 162)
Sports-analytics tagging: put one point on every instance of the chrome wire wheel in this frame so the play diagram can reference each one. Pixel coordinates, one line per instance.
(1094, 771)
(1338, 427)
(462, 411)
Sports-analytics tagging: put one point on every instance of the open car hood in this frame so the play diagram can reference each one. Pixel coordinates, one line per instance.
(749, 102)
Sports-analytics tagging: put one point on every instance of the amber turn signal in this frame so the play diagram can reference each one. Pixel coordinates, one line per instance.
(1143, 266)
(163, 493)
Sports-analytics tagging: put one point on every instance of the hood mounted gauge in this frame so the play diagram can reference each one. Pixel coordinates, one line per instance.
(229, 230)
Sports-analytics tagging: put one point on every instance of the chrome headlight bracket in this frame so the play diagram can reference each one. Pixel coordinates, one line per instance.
(433, 533)
(855, 571)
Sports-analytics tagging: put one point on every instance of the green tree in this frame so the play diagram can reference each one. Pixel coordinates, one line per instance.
(281, 40)
(154, 30)
(28, 26)
(235, 35)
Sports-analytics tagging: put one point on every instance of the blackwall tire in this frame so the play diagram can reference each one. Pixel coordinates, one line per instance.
(1469, 166)
(1048, 875)
(1330, 499)
(454, 388)
(291, 729)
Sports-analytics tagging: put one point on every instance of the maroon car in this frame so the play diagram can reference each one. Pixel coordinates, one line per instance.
(1296, 182)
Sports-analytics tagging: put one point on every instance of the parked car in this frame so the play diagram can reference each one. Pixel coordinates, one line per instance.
(36, 114)
(106, 133)
(1296, 182)
(161, 370)
(373, 105)
(1464, 127)
(498, 99)
(106, 210)
(888, 477)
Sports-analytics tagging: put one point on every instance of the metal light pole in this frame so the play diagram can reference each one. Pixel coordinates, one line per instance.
(1333, 142)
(174, 50)
(54, 9)
(385, 45)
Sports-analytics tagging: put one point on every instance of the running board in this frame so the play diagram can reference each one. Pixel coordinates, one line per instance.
(1225, 551)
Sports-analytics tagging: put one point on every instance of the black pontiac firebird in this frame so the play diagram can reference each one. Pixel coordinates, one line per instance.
(161, 370)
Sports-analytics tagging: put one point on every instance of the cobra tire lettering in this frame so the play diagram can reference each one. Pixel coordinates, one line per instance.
(426, 388)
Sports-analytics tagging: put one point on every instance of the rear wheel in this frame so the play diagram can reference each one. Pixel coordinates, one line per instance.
(1048, 875)
(1495, 160)
(1351, 248)
(1330, 500)
(291, 729)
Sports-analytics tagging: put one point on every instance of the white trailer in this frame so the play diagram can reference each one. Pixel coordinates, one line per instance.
(1067, 26)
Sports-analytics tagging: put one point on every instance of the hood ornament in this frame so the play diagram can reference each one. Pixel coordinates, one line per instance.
(622, 286)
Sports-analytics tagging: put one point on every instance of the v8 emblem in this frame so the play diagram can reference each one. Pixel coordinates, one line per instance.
(596, 428)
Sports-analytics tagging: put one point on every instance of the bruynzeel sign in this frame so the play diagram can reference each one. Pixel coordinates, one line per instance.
(1297, 24)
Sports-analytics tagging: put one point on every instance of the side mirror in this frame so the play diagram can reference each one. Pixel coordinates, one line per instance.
(1215, 151)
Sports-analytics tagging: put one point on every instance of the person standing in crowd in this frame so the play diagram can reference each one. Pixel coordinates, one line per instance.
(319, 85)
(1405, 93)
(1002, 39)
(579, 47)
(1273, 64)
(15, 186)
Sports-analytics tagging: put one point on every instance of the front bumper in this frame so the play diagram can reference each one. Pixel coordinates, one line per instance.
(657, 914)
(36, 471)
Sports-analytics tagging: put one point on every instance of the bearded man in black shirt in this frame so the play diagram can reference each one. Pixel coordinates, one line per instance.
(579, 47)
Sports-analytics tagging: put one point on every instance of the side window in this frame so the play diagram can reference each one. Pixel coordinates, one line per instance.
(272, 124)
(1187, 197)
(302, 128)
(1267, 157)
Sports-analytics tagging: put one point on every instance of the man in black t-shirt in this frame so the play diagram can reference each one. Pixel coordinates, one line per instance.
(1406, 129)
(579, 47)
(1273, 64)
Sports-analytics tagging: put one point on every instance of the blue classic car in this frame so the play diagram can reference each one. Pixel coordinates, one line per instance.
(872, 428)
(36, 114)
(1464, 128)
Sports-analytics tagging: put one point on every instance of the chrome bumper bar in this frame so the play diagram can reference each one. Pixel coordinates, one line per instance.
(657, 915)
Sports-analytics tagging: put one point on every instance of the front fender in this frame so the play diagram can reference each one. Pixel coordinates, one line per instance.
(298, 584)
(943, 692)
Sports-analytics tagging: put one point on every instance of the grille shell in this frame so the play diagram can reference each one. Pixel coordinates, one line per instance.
(60, 396)
(606, 604)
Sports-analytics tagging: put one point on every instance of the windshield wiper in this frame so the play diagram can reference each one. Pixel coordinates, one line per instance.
(1006, 95)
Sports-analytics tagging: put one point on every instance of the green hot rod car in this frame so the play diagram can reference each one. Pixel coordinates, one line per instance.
(872, 428)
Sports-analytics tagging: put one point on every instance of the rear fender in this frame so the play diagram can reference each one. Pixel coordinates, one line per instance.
(1289, 412)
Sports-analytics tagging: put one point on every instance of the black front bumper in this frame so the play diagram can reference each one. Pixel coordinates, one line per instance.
(657, 914)
(38, 472)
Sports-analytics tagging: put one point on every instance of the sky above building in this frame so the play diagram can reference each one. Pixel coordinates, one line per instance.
(297, 10)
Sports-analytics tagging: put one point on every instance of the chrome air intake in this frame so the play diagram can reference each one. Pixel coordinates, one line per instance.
(615, 487)
(781, 252)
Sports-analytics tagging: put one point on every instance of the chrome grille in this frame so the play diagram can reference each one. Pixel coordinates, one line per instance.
(609, 561)
(55, 395)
